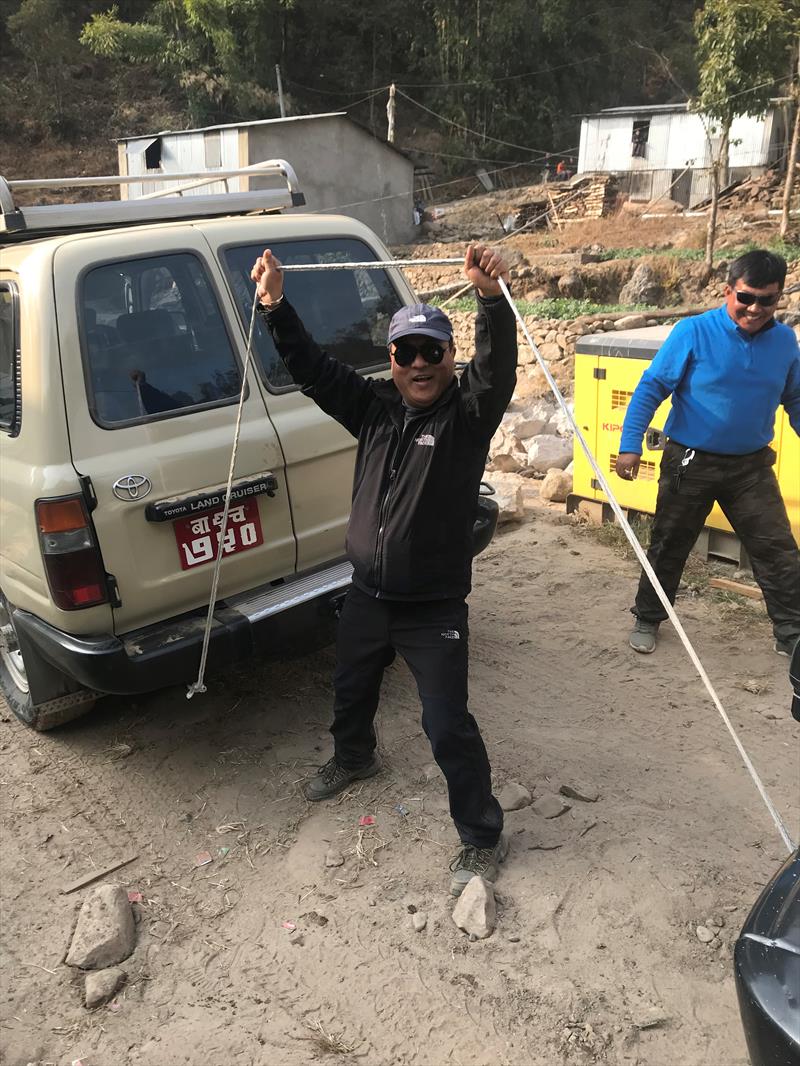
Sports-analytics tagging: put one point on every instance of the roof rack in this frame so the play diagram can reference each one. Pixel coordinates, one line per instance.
(20, 224)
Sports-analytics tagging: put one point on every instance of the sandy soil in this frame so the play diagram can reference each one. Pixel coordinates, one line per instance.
(595, 957)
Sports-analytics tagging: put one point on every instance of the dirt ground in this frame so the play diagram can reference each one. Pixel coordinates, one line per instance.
(595, 957)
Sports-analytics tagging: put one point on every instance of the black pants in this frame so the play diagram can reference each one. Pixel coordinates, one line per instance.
(433, 639)
(747, 490)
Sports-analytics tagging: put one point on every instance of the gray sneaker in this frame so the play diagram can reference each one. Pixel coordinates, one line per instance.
(476, 862)
(643, 636)
(332, 778)
(785, 646)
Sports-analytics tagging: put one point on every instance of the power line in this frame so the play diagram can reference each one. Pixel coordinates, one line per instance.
(476, 133)
(506, 77)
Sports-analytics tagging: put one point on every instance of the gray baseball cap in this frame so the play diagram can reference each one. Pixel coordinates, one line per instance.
(420, 318)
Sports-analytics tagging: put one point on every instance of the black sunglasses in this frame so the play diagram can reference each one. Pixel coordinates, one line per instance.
(749, 298)
(405, 352)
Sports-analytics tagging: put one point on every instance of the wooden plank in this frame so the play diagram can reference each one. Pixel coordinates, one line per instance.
(727, 585)
(95, 875)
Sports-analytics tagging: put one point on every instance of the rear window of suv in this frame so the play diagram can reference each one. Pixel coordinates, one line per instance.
(346, 311)
(154, 340)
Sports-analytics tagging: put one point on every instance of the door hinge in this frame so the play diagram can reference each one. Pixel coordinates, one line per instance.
(87, 488)
(599, 373)
(114, 597)
(595, 483)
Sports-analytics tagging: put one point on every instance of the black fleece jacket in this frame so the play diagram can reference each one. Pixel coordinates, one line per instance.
(416, 482)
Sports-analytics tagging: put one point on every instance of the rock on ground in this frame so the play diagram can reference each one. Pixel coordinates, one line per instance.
(102, 984)
(513, 796)
(580, 790)
(630, 322)
(551, 806)
(546, 451)
(334, 858)
(419, 920)
(475, 912)
(106, 932)
(704, 935)
(557, 485)
(643, 287)
(511, 504)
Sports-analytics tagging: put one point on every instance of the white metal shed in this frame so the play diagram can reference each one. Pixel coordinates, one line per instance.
(662, 144)
(341, 167)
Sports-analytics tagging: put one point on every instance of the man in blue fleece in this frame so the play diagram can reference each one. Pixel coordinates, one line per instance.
(727, 370)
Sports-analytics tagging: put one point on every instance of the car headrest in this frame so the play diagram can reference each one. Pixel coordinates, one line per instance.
(142, 326)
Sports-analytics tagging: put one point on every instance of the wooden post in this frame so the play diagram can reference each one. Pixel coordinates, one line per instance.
(390, 110)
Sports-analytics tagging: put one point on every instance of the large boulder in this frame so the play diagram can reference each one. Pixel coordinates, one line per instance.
(546, 451)
(571, 285)
(644, 287)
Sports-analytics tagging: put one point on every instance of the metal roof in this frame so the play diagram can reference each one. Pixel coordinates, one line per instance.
(653, 109)
(267, 122)
(232, 126)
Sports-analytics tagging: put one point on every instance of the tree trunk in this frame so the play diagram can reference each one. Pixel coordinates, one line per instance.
(711, 225)
(791, 167)
(718, 161)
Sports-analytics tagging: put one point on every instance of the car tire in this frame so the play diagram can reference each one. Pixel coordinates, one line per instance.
(69, 700)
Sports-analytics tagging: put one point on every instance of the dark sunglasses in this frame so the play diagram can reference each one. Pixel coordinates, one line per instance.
(405, 352)
(749, 298)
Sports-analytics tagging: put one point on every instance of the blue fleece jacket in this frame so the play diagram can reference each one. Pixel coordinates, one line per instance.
(726, 385)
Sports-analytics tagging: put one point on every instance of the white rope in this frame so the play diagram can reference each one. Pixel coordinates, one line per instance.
(640, 555)
(198, 685)
(373, 264)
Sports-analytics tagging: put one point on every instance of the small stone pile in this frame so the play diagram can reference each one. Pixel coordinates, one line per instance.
(762, 189)
(532, 439)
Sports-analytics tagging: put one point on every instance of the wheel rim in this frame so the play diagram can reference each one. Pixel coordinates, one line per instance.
(10, 655)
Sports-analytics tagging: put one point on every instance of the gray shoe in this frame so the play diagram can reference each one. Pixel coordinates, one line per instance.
(643, 636)
(476, 862)
(786, 646)
(332, 778)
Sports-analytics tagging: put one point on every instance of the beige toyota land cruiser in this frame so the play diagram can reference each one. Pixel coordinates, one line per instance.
(123, 331)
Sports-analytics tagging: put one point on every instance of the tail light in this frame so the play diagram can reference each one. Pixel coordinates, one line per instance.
(72, 560)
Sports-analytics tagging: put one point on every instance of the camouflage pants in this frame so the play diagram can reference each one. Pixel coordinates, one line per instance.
(747, 490)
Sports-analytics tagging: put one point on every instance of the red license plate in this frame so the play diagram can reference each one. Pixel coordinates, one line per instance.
(198, 538)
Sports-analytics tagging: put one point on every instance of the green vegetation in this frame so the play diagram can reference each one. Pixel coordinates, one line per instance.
(558, 307)
(787, 249)
(501, 82)
(743, 51)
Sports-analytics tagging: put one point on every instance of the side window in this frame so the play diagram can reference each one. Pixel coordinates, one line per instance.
(346, 311)
(9, 360)
(154, 341)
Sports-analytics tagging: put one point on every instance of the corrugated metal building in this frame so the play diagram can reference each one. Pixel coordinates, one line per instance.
(656, 146)
(340, 166)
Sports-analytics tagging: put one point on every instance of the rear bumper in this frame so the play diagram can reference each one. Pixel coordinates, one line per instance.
(277, 623)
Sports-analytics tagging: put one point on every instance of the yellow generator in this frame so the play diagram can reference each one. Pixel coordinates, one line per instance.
(607, 370)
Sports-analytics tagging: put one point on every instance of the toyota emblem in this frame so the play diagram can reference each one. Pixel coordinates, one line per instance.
(131, 487)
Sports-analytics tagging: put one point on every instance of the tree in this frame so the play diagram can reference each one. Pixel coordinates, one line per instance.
(791, 163)
(741, 55)
(40, 30)
(204, 45)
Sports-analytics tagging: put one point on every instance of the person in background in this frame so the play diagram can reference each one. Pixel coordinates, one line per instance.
(727, 371)
(423, 438)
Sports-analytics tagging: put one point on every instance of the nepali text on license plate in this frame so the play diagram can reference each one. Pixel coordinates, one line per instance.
(198, 538)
